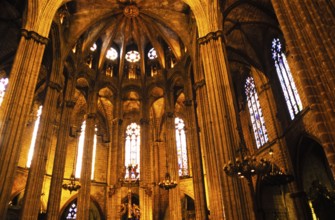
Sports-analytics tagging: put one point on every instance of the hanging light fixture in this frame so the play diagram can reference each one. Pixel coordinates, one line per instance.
(72, 186)
(167, 183)
(276, 176)
(247, 166)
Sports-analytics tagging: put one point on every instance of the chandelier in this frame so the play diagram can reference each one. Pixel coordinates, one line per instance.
(72, 186)
(276, 176)
(247, 166)
(167, 183)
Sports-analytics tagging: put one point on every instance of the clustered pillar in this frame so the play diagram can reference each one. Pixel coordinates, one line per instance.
(16, 107)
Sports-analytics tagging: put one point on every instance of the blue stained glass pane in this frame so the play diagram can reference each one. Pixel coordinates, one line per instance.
(256, 115)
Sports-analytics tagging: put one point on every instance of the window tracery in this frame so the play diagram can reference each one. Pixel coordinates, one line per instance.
(255, 111)
(132, 150)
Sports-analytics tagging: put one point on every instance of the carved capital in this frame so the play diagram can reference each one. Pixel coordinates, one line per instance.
(91, 115)
(170, 114)
(35, 36)
(55, 86)
(144, 121)
(70, 103)
(199, 84)
(119, 122)
(211, 36)
(188, 102)
(111, 191)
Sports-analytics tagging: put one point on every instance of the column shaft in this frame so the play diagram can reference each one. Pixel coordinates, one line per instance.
(32, 195)
(86, 168)
(16, 107)
(196, 162)
(220, 129)
(55, 191)
(172, 160)
(146, 174)
(311, 62)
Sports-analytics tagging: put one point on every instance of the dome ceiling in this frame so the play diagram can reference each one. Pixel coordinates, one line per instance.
(126, 25)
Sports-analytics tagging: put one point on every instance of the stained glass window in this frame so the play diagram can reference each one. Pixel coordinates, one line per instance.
(81, 150)
(133, 56)
(111, 54)
(33, 139)
(72, 211)
(290, 91)
(152, 54)
(132, 157)
(3, 86)
(93, 47)
(181, 147)
(256, 114)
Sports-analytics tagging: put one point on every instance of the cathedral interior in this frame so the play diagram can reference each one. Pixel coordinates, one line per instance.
(172, 109)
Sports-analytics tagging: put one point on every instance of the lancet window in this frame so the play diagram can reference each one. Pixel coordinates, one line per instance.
(256, 115)
(132, 151)
(181, 147)
(288, 86)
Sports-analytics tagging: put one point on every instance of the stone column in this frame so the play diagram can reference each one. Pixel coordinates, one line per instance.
(116, 169)
(196, 162)
(172, 161)
(310, 41)
(219, 127)
(117, 163)
(32, 194)
(86, 167)
(146, 169)
(55, 191)
(16, 107)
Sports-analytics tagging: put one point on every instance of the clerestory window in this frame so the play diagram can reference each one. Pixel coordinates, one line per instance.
(255, 111)
(181, 147)
(80, 151)
(33, 139)
(288, 86)
(3, 86)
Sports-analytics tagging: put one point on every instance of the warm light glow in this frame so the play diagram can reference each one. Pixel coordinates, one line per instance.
(80, 150)
(289, 89)
(181, 147)
(33, 139)
(93, 47)
(111, 54)
(94, 153)
(132, 150)
(3, 86)
(74, 49)
(133, 56)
